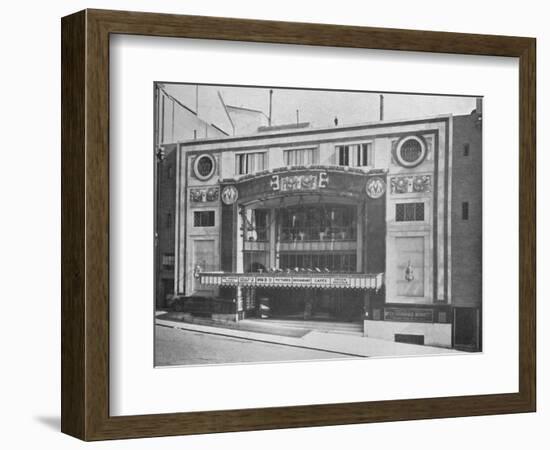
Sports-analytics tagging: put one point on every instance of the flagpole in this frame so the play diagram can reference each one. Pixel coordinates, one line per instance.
(270, 104)
(197, 99)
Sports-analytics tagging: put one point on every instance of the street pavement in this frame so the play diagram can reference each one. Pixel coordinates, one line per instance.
(352, 345)
(174, 346)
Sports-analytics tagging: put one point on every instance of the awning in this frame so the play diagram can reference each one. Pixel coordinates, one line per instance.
(294, 280)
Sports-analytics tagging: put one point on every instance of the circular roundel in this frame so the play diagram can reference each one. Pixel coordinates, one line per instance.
(375, 187)
(204, 166)
(411, 151)
(230, 195)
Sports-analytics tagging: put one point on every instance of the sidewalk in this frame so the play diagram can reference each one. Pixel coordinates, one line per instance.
(345, 344)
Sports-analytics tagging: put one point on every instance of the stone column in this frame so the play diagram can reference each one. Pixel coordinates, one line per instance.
(273, 238)
(239, 298)
(367, 310)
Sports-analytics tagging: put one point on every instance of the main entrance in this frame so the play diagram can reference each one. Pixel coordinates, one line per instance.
(305, 236)
(313, 304)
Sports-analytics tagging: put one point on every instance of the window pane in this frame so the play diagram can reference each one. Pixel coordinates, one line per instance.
(301, 157)
(419, 211)
(203, 219)
(343, 155)
(251, 162)
(241, 164)
(365, 154)
(408, 212)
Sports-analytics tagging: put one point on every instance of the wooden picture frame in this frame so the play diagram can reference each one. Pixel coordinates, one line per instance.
(85, 224)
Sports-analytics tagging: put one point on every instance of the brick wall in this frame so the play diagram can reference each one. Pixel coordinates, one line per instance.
(466, 238)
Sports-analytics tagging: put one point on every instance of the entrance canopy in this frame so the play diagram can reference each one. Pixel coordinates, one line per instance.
(317, 180)
(294, 280)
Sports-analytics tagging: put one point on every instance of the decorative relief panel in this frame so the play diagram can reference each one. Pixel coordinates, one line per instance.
(204, 195)
(409, 266)
(411, 184)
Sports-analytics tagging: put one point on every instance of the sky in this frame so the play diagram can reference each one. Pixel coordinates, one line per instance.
(319, 107)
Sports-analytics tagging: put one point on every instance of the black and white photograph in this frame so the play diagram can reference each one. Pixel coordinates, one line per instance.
(296, 224)
(270, 225)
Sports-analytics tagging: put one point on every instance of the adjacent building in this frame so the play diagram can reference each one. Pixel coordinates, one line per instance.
(376, 223)
(174, 121)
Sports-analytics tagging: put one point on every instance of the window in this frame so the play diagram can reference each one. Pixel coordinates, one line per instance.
(256, 225)
(254, 261)
(301, 157)
(319, 262)
(363, 158)
(250, 162)
(169, 220)
(170, 171)
(204, 167)
(168, 260)
(204, 219)
(465, 211)
(411, 151)
(343, 155)
(317, 223)
(355, 155)
(409, 212)
(466, 149)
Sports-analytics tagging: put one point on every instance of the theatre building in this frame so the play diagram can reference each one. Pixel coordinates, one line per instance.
(347, 223)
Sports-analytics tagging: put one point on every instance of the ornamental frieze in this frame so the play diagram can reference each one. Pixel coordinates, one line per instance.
(411, 184)
(203, 195)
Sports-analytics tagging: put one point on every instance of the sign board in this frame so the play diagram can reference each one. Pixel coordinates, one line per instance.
(355, 281)
(348, 180)
(409, 315)
(302, 182)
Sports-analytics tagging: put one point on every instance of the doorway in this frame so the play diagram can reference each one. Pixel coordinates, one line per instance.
(315, 304)
(467, 329)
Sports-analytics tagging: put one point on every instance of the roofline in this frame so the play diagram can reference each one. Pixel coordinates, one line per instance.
(309, 131)
(187, 108)
(183, 105)
(219, 129)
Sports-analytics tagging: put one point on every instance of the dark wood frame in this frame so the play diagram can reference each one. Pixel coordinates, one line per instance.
(85, 224)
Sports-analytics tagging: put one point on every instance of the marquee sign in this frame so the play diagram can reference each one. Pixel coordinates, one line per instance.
(347, 181)
(328, 281)
(305, 182)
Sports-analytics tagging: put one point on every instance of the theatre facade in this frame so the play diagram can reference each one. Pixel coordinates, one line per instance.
(347, 223)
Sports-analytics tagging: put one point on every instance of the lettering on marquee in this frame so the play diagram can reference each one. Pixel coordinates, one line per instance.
(305, 182)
